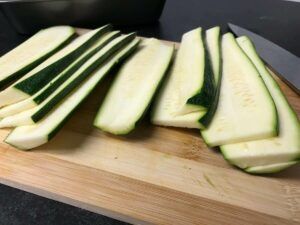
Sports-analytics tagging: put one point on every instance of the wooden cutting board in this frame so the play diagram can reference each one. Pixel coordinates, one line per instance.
(154, 175)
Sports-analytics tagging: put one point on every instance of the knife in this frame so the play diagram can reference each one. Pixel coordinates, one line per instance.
(285, 63)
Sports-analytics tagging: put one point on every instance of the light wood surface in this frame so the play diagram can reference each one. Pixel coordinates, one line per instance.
(155, 175)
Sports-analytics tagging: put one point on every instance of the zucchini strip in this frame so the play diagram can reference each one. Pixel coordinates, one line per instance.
(133, 89)
(212, 39)
(214, 52)
(32, 52)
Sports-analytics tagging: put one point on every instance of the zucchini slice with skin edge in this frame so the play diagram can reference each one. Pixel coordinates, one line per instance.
(272, 168)
(33, 51)
(41, 95)
(188, 92)
(213, 43)
(246, 110)
(122, 107)
(204, 96)
(40, 76)
(28, 137)
(282, 149)
(34, 115)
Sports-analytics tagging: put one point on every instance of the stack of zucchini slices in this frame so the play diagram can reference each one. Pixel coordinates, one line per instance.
(39, 103)
(217, 84)
(221, 86)
(188, 97)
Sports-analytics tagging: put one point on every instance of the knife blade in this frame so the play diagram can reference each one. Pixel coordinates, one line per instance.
(282, 61)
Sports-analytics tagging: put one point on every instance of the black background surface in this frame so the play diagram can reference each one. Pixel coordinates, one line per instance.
(277, 20)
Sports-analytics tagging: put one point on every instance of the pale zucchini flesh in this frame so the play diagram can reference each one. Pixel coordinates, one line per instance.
(16, 108)
(272, 168)
(246, 110)
(134, 87)
(19, 119)
(45, 92)
(41, 75)
(31, 136)
(34, 115)
(185, 90)
(33, 51)
(282, 149)
(185, 121)
(213, 46)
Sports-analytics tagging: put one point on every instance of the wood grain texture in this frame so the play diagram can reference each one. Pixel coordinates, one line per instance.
(155, 175)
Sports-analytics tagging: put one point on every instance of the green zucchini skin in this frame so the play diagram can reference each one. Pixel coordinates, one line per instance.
(116, 63)
(207, 118)
(45, 94)
(34, 83)
(41, 113)
(29, 67)
(205, 96)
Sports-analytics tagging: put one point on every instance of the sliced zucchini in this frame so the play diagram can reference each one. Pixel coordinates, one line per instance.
(40, 76)
(189, 90)
(16, 108)
(134, 87)
(214, 52)
(213, 47)
(246, 110)
(273, 168)
(20, 119)
(46, 91)
(34, 115)
(32, 52)
(194, 66)
(282, 149)
(28, 137)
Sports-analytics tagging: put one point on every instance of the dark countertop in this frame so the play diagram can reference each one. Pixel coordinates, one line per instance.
(277, 20)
